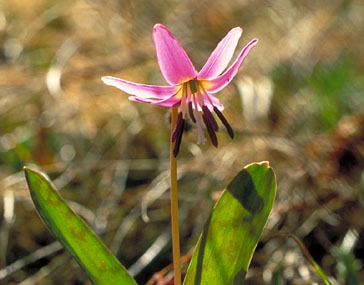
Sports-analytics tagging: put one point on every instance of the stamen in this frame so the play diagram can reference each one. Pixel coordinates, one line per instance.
(210, 117)
(190, 109)
(210, 130)
(199, 99)
(225, 122)
(177, 128)
(200, 134)
(177, 144)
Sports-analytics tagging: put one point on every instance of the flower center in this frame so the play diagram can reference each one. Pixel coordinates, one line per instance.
(193, 85)
(194, 96)
(197, 102)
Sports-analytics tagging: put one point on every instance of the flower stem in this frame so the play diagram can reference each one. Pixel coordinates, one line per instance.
(174, 205)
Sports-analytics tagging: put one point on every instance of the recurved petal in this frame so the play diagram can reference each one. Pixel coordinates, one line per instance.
(221, 56)
(168, 102)
(173, 61)
(221, 81)
(140, 90)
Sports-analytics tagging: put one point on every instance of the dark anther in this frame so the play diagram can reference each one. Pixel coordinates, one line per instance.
(190, 110)
(225, 122)
(210, 129)
(177, 144)
(177, 128)
(210, 118)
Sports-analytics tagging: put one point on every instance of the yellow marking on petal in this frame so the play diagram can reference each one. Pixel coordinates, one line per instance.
(206, 94)
(180, 91)
(205, 84)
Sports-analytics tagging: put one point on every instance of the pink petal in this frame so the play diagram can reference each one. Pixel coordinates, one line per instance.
(173, 61)
(168, 102)
(220, 82)
(140, 90)
(221, 56)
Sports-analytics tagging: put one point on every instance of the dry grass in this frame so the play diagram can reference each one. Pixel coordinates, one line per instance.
(297, 102)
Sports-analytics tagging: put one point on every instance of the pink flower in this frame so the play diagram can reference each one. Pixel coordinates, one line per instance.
(188, 89)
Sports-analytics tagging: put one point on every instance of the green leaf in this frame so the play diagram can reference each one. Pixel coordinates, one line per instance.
(75, 235)
(231, 234)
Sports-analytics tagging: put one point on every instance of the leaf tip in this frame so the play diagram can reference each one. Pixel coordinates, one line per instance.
(265, 163)
(26, 172)
(262, 163)
(31, 175)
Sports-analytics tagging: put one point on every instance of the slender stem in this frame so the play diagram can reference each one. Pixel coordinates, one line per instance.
(174, 205)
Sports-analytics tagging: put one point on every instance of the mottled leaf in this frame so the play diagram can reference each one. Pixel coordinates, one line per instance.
(231, 234)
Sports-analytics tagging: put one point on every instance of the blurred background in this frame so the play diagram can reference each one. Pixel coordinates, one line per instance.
(297, 102)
